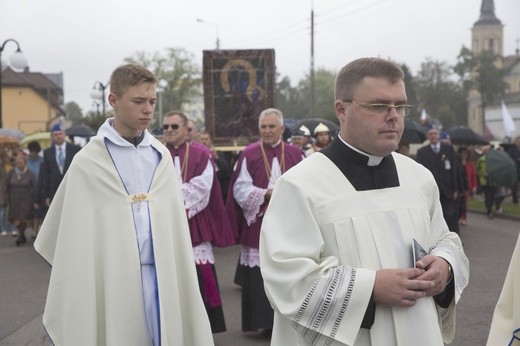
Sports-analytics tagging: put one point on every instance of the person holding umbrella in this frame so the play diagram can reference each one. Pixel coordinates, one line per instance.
(495, 169)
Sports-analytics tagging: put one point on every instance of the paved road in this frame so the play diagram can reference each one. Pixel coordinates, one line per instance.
(489, 244)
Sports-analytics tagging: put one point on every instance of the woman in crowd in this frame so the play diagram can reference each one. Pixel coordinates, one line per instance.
(21, 186)
(469, 174)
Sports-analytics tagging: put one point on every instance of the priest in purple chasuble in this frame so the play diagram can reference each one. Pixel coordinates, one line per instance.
(207, 219)
(259, 166)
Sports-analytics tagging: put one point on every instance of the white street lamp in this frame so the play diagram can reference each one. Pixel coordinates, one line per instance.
(18, 60)
(98, 93)
(211, 23)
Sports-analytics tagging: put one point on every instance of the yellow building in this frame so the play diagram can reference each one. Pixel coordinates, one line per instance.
(31, 101)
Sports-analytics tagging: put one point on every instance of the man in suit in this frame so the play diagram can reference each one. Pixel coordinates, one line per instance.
(56, 161)
(443, 162)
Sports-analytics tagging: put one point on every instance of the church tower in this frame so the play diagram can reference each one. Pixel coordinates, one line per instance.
(487, 34)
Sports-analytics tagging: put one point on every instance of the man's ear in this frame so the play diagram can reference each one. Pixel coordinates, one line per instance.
(339, 107)
(112, 100)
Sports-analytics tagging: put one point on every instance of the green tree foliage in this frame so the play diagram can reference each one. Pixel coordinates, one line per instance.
(411, 93)
(73, 112)
(442, 98)
(96, 119)
(289, 99)
(295, 101)
(479, 71)
(465, 65)
(490, 79)
(324, 94)
(177, 68)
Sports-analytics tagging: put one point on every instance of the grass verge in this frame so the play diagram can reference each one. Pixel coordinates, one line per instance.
(508, 207)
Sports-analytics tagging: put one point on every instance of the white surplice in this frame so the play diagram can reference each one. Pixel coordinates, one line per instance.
(250, 198)
(322, 242)
(505, 326)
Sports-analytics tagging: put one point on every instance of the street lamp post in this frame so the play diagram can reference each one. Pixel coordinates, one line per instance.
(216, 27)
(18, 60)
(160, 90)
(98, 93)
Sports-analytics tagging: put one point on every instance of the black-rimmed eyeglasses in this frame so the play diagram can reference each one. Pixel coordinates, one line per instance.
(173, 126)
(383, 109)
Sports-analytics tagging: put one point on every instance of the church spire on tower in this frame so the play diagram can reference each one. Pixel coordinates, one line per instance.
(487, 14)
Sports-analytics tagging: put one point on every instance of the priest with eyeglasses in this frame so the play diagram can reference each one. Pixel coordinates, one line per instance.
(354, 249)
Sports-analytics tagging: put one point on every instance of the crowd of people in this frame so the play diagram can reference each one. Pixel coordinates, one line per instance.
(345, 269)
(29, 179)
(461, 173)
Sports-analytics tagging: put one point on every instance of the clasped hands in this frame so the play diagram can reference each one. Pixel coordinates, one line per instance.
(403, 287)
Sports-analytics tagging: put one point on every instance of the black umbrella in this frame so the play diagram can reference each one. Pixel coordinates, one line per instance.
(463, 135)
(413, 132)
(290, 125)
(311, 123)
(80, 130)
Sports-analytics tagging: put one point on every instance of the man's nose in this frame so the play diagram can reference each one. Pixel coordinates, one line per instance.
(149, 107)
(392, 114)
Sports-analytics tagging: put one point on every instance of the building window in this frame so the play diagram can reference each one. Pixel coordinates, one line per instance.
(491, 46)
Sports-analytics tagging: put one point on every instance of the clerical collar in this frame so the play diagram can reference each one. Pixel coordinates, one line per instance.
(172, 146)
(132, 140)
(372, 160)
(274, 145)
(135, 140)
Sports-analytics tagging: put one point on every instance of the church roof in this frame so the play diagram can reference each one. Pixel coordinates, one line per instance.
(487, 14)
(511, 63)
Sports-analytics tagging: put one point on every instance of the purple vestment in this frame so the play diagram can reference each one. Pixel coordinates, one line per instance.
(250, 234)
(210, 224)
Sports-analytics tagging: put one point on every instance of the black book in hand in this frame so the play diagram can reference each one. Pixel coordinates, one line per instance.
(418, 251)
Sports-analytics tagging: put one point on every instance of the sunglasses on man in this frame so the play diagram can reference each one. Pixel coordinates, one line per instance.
(173, 126)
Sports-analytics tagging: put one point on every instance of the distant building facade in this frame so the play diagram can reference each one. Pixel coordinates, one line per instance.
(487, 34)
(31, 101)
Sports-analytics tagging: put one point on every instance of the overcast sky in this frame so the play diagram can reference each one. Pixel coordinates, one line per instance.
(86, 40)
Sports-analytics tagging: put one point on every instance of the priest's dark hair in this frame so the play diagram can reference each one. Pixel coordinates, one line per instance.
(352, 74)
